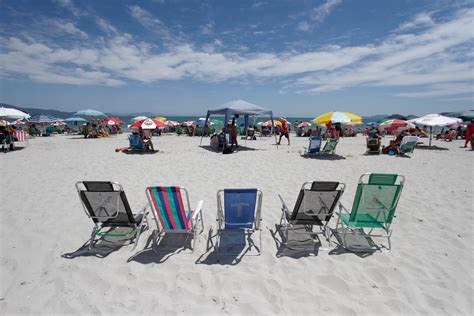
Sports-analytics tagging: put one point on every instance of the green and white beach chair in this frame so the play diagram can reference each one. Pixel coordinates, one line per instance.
(408, 144)
(330, 146)
(373, 211)
(107, 205)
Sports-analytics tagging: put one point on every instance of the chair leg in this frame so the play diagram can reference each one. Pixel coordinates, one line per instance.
(91, 241)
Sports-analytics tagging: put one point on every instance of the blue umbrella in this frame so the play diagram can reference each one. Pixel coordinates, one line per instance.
(373, 124)
(90, 113)
(42, 118)
(75, 119)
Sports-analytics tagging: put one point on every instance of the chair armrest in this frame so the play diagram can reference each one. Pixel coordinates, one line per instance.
(198, 209)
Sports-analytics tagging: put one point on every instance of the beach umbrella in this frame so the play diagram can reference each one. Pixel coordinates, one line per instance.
(171, 123)
(160, 118)
(337, 117)
(90, 113)
(139, 118)
(189, 123)
(147, 124)
(12, 113)
(432, 120)
(353, 123)
(4, 123)
(42, 119)
(395, 116)
(269, 123)
(373, 124)
(396, 124)
(19, 122)
(58, 123)
(112, 121)
(75, 119)
(303, 124)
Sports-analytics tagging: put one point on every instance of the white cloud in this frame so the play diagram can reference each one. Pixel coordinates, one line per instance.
(438, 58)
(70, 28)
(441, 90)
(151, 23)
(420, 20)
(70, 6)
(320, 13)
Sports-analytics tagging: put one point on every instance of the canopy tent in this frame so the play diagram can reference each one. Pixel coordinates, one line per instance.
(239, 107)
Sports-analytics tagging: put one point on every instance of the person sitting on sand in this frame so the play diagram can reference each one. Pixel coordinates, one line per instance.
(394, 144)
(146, 137)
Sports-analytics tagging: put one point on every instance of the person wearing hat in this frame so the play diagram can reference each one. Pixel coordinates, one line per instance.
(285, 131)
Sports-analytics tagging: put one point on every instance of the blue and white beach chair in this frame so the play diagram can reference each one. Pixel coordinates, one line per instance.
(136, 142)
(314, 146)
(238, 211)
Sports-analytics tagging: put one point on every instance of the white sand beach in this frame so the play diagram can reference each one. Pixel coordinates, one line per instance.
(43, 228)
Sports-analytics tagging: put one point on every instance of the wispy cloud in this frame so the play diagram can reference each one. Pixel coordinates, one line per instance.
(70, 6)
(150, 22)
(438, 90)
(317, 15)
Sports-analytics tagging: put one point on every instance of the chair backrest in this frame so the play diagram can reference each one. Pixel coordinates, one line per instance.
(376, 199)
(316, 202)
(314, 144)
(240, 208)
(330, 145)
(136, 141)
(407, 147)
(105, 202)
(167, 204)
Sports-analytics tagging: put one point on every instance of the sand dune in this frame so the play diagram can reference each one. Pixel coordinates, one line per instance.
(44, 270)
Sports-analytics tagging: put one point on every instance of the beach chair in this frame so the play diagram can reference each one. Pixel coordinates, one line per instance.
(239, 210)
(136, 142)
(315, 206)
(408, 144)
(372, 212)
(314, 146)
(4, 141)
(373, 145)
(107, 205)
(330, 146)
(171, 215)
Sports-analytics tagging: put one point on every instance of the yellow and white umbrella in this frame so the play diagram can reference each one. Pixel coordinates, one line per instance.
(337, 117)
(160, 118)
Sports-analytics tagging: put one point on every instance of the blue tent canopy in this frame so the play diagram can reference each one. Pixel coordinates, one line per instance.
(239, 107)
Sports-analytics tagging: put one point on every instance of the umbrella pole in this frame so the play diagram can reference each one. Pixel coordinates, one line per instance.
(431, 134)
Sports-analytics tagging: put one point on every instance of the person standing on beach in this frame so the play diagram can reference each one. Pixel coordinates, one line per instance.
(285, 131)
(469, 131)
(233, 134)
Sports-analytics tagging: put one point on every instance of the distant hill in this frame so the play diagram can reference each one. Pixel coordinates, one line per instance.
(33, 111)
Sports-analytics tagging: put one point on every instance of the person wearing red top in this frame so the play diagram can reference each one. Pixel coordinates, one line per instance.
(285, 131)
(469, 132)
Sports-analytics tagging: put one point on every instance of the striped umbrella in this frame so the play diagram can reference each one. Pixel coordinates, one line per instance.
(304, 124)
(42, 119)
(160, 118)
(337, 117)
(396, 124)
(147, 124)
(90, 113)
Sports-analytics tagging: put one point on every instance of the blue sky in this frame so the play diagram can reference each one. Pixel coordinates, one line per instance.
(299, 58)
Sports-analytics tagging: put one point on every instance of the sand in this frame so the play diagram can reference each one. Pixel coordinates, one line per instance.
(45, 270)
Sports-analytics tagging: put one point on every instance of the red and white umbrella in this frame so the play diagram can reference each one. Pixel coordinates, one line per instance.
(112, 121)
(147, 124)
(304, 124)
(171, 123)
(396, 124)
(58, 123)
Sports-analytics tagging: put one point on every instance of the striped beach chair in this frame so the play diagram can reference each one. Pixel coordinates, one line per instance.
(170, 213)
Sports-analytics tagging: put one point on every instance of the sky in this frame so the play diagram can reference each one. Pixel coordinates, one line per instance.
(296, 57)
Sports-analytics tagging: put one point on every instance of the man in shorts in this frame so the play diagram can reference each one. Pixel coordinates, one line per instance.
(285, 130)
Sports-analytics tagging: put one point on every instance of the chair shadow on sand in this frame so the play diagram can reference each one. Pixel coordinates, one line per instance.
(236, 150)
(229, 253)
(324, 157)
(102, 247)
(305, 248)
(164, 248)
(145, 152)
(363, 241)
(434, 147)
